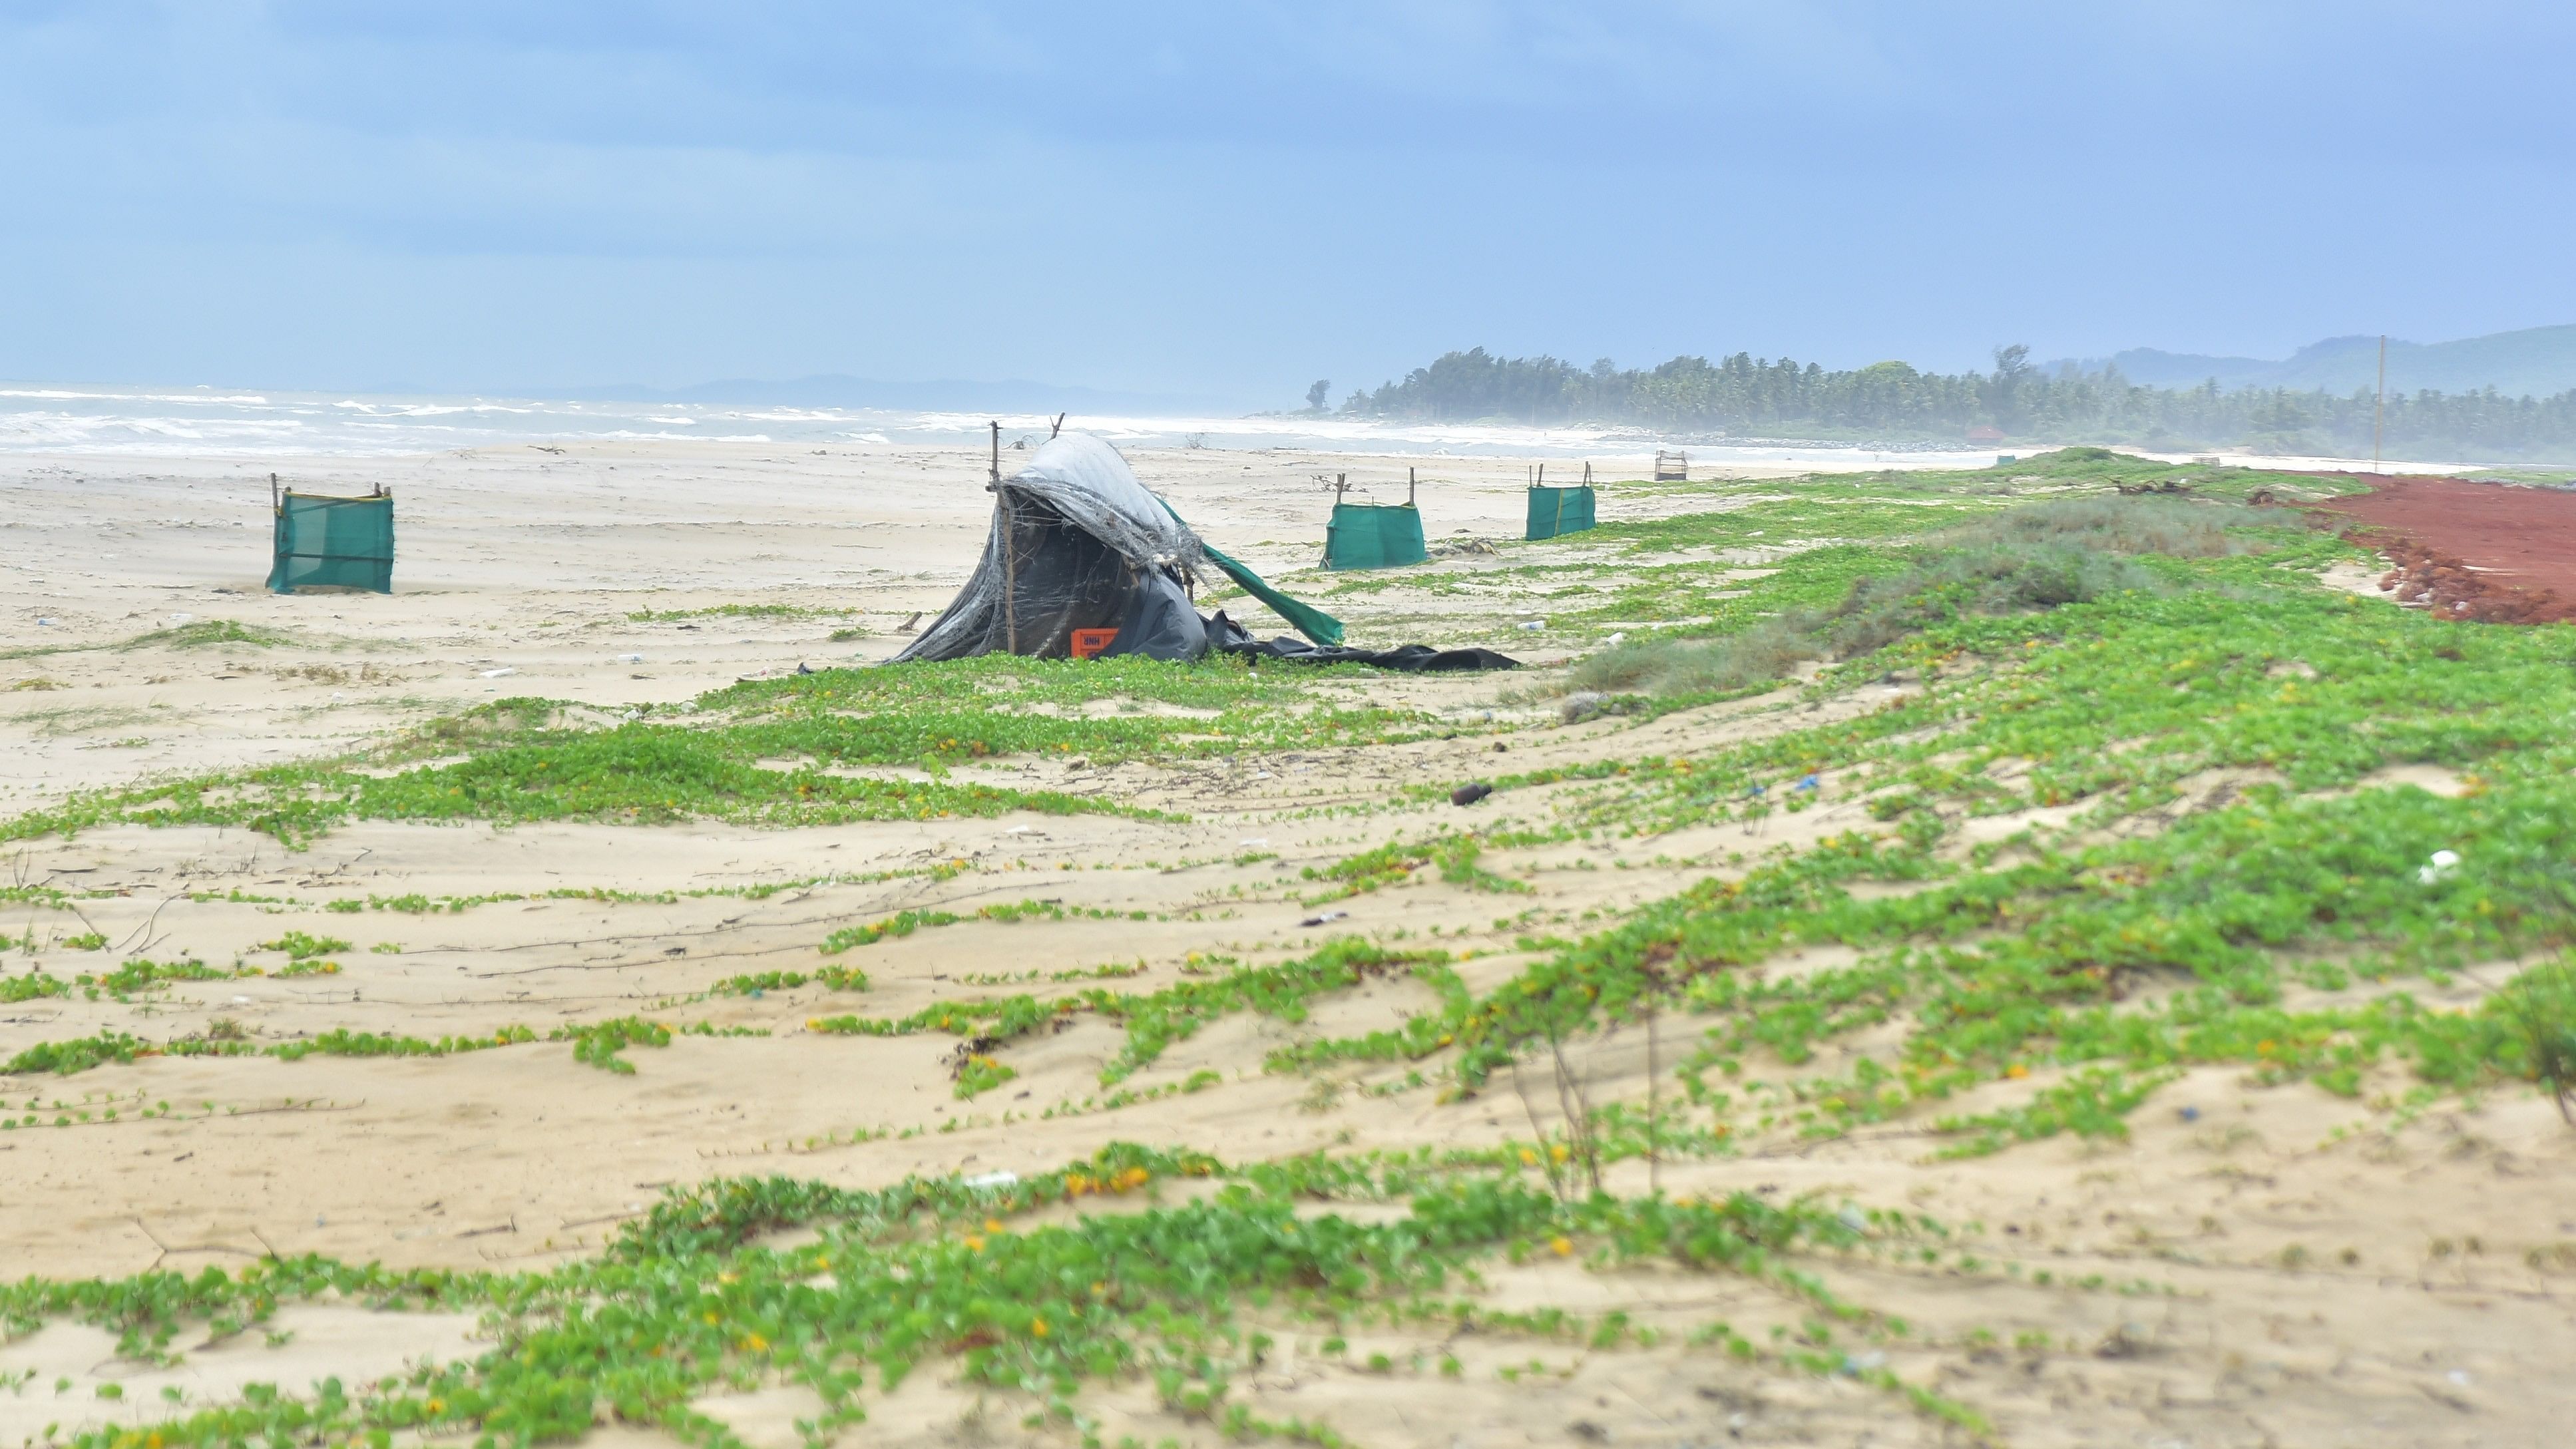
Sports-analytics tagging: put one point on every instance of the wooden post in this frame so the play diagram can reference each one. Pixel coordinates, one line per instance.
(1058, 428)
(1409, 485)
(275, 504)
(1009, 523)
(2378, 408)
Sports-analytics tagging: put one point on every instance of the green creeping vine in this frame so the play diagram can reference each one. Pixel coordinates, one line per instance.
(904, 923)
(596, 1044)
(524, 761)
(1395, 862)
(1156, 1019)
(2150, 932)
(2007, 971)
(686, 1303)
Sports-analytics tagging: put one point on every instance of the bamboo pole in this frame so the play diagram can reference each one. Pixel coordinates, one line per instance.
(1010, 548)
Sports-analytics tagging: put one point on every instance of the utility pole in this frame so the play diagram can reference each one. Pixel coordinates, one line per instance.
(2379, 409)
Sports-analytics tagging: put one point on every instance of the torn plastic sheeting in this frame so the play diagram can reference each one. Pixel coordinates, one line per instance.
(1229, 637)
(1077, 543)
(1305, 618)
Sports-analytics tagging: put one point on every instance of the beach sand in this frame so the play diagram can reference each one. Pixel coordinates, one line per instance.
(2305, 1290)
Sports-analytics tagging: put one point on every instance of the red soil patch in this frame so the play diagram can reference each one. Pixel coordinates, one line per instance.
(2485, 551)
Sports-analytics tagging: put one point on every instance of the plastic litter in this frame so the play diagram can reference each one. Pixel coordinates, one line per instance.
(2440, 865)
(630, 658)
(1808, 783)
(1002, 1177)
(498, 673)
(1469, 794)
(1326, 919)
(1532, 626)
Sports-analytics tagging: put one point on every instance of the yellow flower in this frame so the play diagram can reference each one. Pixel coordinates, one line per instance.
(1038, 1327)
(1558, 1152)
(1563, 1245)
(974, 1243)
(992, 1225)
(2016, 1071)
(1528, 1158)
(754, 1343)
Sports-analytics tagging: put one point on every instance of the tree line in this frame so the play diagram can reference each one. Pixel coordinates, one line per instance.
(1892, 402)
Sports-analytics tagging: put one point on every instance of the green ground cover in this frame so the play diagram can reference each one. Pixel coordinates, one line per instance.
(2147, 929)
(688, 1301)
(718, 757)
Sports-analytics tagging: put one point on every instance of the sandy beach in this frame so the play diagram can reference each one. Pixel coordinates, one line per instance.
(598, 575)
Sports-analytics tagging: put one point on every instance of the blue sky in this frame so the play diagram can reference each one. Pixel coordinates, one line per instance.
(1229, 200)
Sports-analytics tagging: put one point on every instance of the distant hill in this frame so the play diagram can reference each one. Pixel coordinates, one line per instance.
(1014, 395)
(2533, 362)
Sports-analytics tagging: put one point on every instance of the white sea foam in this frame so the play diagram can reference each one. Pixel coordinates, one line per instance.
(38, 418)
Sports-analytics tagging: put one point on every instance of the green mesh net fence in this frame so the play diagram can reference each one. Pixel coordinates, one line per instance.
(1558, 510)
(1373, 536)
(333, 542)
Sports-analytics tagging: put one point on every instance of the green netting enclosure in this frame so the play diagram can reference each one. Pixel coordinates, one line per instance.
(1373, 536)
(1559, 510)
(324, 541)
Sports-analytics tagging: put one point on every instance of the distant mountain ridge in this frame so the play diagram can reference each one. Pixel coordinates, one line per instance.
(2531, 362)
(1015, 395)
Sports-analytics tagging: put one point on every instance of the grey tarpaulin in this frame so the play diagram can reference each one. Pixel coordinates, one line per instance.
(1092, 550)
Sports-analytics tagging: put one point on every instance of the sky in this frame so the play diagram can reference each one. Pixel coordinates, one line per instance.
(1226, 201)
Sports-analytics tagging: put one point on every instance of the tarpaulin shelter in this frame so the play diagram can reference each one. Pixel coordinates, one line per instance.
(1553, 511)
(326, 541)
(1083, 561)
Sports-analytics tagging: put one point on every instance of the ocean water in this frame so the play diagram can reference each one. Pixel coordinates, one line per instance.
(234, 423)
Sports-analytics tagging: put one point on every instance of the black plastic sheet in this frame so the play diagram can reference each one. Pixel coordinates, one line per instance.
(1227, 636)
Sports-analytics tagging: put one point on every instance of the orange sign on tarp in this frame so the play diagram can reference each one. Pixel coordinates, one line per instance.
(1087, 643)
